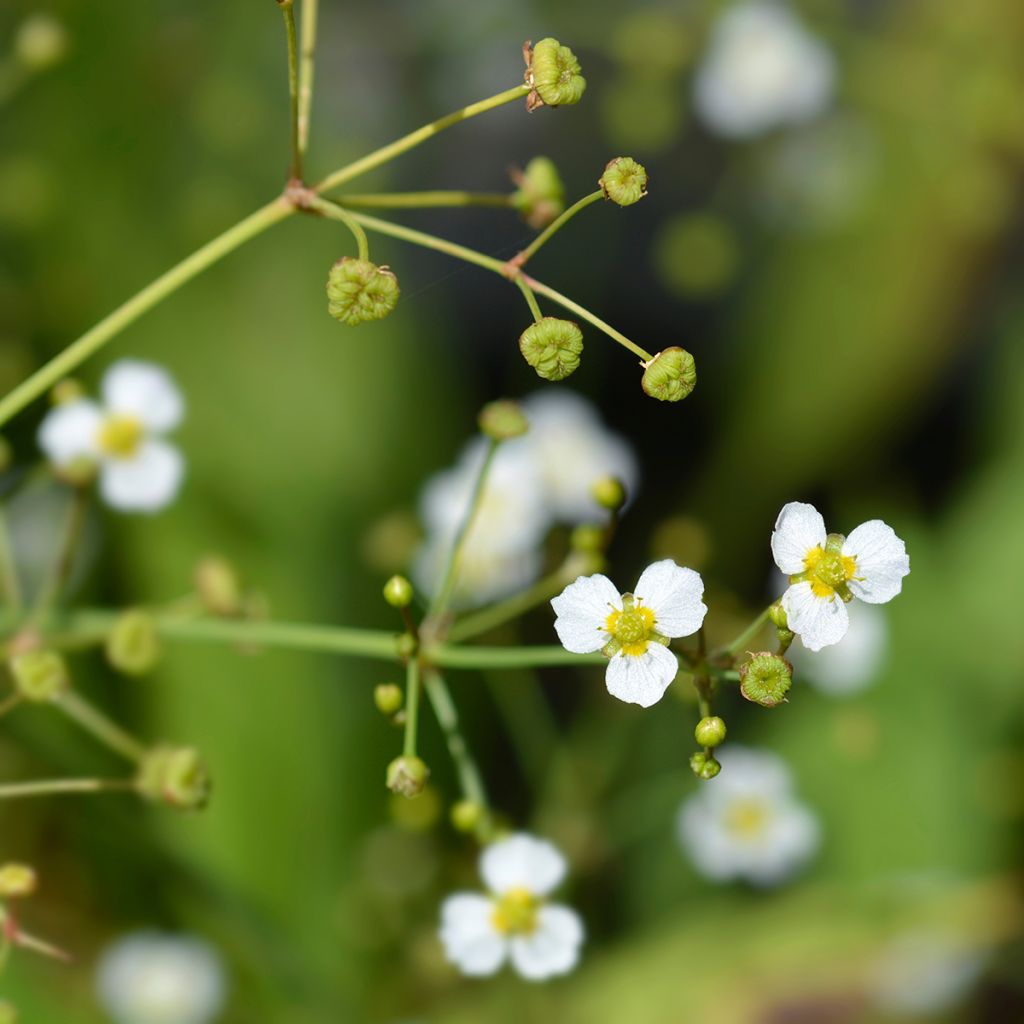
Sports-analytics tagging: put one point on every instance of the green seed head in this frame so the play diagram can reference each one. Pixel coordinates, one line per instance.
(40, 676)
(670, 376)
(766, 679)
(133, 646)
(358, 290)
(177, 776)
(554, 73)
(624, 181)
(552, 347)
(540, 194)
(407, 775)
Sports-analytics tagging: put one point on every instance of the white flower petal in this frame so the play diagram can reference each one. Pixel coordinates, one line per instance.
(70, 432)
(674, 594)
(641, 679)
(470, 940)
(882, 562)
(143, 390)
(146, 482)
(553, 949)
(853, 663)
(582, 610)
(799, 529)
(522, 862)
(819, 621)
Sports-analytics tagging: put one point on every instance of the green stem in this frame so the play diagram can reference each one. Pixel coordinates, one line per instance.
(449, 656)
(531, 299)
(50, 787)
(556, 225)
(562, 300)
(748, 634)
(338, 213)
(288, 10)
(96, 337)
(412, 706)
(407, 142)
(10, 586)
(308, 44)
(94, 721)
(451, 570)
(425, 200)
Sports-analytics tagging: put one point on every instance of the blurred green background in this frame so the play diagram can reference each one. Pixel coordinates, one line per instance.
(858, 327)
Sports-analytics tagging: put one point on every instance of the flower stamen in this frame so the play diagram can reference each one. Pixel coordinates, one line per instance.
(515, 912)
(120, 436)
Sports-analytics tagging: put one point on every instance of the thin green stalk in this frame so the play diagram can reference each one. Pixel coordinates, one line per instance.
(50, 592)
(50, 787)
(77, 708)
(470, 780)
(308, 45)
(450, 656)
(10, 586)
(531, 299)
(748, 634)
(96, 337)
(412, 706)
(407, 142)
(562, 300)
(427, 200)
(338, 213)
(288, 10)
(556, 225)
(451, 570)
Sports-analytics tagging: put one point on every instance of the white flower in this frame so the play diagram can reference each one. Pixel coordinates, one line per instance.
(763, 70)
(632, 629)
(572, 449)
(827, 570)
(514, 922)
(139, 470)
(852, 664)
(150, 978)
(501, 553)
(746, 822)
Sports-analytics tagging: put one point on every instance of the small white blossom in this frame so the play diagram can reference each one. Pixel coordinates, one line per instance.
(763, 70)
(138, 470)
(514, 921)
(632, 629)
(746, 822)
(152, 978)
(828, 570)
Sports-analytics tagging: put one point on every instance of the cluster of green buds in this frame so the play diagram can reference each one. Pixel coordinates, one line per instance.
(765, 679)
(624, 181)
(552, 347)
(553, 74)
(133, 644)
(670, 376)
(358, 291)
(40, 676)
(540, 194)
(177, 776)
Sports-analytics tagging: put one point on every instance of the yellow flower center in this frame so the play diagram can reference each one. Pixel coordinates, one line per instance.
(120, 436)
(746, 819)
(828, 570)
(515, 912)
(632, 627)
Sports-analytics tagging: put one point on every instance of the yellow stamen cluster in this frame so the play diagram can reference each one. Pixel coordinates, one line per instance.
(747, 819)
(120, 436)
(828, 570)
(515, 912)
(632, 628)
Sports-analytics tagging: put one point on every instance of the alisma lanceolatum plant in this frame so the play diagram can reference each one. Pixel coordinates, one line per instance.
(478, 568)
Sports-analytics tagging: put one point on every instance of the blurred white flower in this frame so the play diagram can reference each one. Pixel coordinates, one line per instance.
(633, 630)
(852, 664)
(572, 449)
(154, 978)
(746, 822)
(828, 570)
(139, 470)
(922, 973)
(763, 70)
(514, 922)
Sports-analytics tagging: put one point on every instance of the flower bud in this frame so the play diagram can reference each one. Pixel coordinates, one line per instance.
(624, 181)
(704, 766)
(609, 492)
(8, 1013)
(466, 815)
(540, 194)
(174, 775)
(710, 731)
(552, 347)
(407, 775)
(670, 376)
(358, 290)
(388, 697)
(503, 420)
(40, 676)
(40, 42)
(554, 74)
(218, 586)
(766, 679)
(133, 645)
(17, 881)
(398, 592)
(777, 616)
